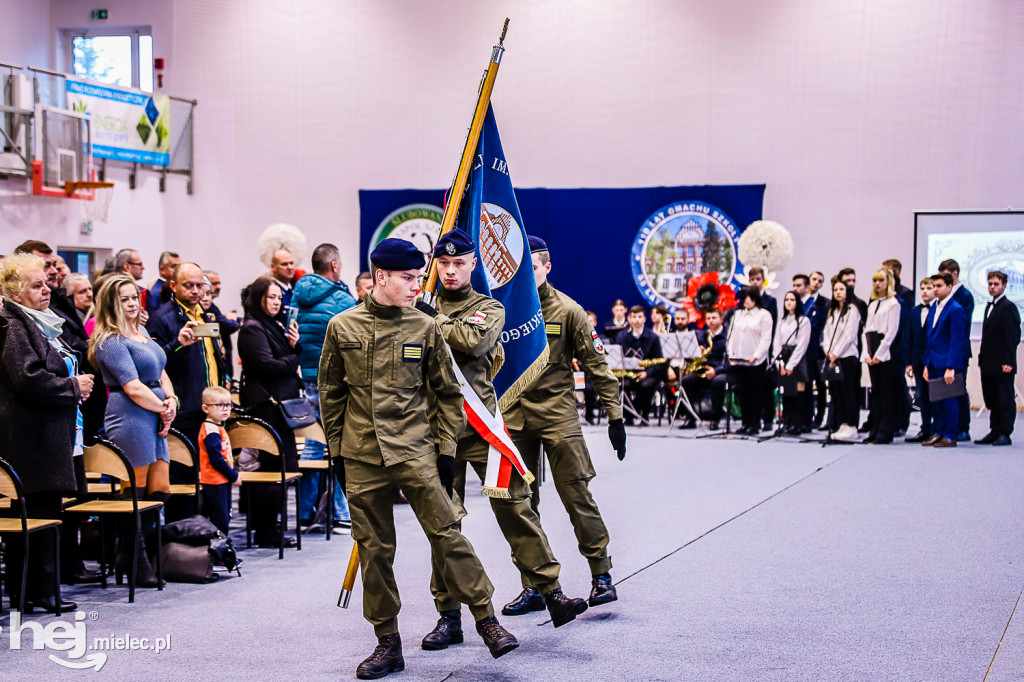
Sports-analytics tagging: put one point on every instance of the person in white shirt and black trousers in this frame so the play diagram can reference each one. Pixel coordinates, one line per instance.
(880, 331)
(839, 341)
(750, 339)
(997, 359)
(789, 354)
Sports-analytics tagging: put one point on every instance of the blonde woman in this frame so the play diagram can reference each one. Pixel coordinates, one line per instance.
(880, 330)
(142, 403)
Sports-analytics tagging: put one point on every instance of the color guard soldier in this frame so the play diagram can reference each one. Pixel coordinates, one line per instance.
(472, 323)
(546, 415)
(378, 361)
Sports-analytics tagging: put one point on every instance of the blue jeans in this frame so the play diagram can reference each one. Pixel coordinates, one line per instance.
(309, 485)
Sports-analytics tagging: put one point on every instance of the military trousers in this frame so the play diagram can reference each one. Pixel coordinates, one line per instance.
(517, 519)
(371, 492)
(571, 470)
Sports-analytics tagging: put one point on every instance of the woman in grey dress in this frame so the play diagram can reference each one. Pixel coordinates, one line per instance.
(142, 403)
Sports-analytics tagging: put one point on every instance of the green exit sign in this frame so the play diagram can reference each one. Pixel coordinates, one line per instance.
(99, 14)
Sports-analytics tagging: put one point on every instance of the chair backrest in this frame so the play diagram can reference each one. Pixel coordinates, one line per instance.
(10, 484)
(103, 457)
(181, 449)
(314, 431)
(249, 432)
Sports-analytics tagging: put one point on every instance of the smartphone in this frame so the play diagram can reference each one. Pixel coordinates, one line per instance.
(206, 330)
(293, 317)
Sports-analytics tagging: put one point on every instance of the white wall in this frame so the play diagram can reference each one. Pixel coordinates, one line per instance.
(853, 112)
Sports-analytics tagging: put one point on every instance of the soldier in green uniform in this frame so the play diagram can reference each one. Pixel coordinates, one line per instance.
(378, 361)
(472, 323)
(546, 415)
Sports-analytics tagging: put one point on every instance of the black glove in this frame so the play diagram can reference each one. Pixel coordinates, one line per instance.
(446, 471)
(617, 435)
(426, 308)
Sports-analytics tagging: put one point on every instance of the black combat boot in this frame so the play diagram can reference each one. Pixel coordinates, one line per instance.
(602, 591)
(563, 609)
(528, 600)
(447, 631)
(385, 659)
(498, 640)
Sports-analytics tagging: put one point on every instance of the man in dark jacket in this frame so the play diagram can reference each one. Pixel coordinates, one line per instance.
(714, 378)
(643, 344)
(966, 300)
(319, 297)
(192, 361)
(943, 357)
(997, 358)
(914, 342)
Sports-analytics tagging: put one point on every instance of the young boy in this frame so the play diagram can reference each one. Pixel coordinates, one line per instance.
(215, 470)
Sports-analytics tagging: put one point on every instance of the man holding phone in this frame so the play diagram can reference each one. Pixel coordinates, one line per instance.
(192, 356)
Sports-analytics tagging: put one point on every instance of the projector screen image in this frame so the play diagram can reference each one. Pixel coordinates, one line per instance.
(980, 242)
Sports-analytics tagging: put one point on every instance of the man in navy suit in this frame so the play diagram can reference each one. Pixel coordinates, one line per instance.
(640, 342)
(914, 342)
(997, 358)
(966, 300)
(815, 309)
(943, 357)
(821, 302)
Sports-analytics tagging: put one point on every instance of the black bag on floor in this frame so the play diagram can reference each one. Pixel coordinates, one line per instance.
(187, 563)
(195, 530)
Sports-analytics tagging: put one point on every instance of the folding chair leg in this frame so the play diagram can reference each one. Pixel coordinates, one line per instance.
(104, 572)
(284, 519)
(248, 517)
(24, 577)
(159, 552)
(329, 526)
(56, 570)
(298, 530)
(132, 573)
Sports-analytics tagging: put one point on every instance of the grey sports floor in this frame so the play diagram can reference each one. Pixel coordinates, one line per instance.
(735, 560)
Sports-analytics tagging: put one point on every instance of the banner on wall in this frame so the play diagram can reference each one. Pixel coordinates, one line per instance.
(127, 125)
(594, 235)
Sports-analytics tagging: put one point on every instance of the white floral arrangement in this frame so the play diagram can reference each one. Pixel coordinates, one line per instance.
(281, 236)
(765, 244)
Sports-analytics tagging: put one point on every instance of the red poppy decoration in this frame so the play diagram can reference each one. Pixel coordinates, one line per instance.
(704, 293)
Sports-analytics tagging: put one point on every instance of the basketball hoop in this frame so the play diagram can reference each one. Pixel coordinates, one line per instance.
(96, 195)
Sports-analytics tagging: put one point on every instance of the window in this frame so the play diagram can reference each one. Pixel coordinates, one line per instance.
(689, 267)
(121, 56)
(689, 251)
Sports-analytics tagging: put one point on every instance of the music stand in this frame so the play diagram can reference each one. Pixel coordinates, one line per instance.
(617, 362)
(681, 347)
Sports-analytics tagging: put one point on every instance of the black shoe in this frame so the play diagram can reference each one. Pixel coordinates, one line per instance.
(563, 609)
(499, 641)
(806, 428)
(899, 433)
(528, 600)
(864, 428)
(882, 439)
(602, 590)
(385, 659)
(82, 576)
(273, 541)
(145, 576)
(987, 440)
(792, 431)
(870, 438)
(448, 631)
(921, 437)
(1002, 440)
(688, 424)
(963, 437)
(48, 604)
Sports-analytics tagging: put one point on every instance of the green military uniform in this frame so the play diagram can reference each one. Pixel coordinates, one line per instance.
(546, 414)
(472, 323)
(376, 366)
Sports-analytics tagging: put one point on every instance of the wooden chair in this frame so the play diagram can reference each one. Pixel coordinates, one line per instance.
(250, 432)
(12, 490)
(315, 431)
(184, 453)
(104, 457)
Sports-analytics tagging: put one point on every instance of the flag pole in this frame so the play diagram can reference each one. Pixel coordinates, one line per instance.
(451, 210)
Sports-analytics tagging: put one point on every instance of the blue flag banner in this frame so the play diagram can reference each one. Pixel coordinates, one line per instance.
(490, 214)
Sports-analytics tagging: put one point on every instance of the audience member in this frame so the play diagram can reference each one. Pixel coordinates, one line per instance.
(228, 323)
(141, 407)
(643, 344)
(713, 380)
(216, 463)
(997, 359)
(62, 271)
(789, 353)
(270, 363)
(129, 262)
(878, 348)
(282, 269)
(965, 298)
(943, 357)
(319, 297)
(839, 340)
(79, 290)
(364, 282)
(40, 424)
(159, 294)
(815, 309)
(914, 347)
(750, 338)
(192, 362)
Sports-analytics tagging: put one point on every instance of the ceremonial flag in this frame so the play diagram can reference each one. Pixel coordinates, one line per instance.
(490, 214)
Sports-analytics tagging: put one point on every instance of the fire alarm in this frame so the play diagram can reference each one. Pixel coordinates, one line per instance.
(158, 63)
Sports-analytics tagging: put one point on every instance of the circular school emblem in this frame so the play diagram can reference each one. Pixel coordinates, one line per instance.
(679, 242)
(501, 245)
(417, 223)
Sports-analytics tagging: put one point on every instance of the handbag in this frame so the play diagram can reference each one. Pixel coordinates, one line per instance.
(297, 412)
(828, 372)
(187, 564)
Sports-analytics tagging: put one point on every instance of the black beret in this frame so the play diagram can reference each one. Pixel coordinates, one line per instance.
(454, 243)
(397, 254)
(537, 244)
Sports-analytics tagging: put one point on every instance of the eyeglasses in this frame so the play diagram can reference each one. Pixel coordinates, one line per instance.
(223, 406)
(136, 264)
